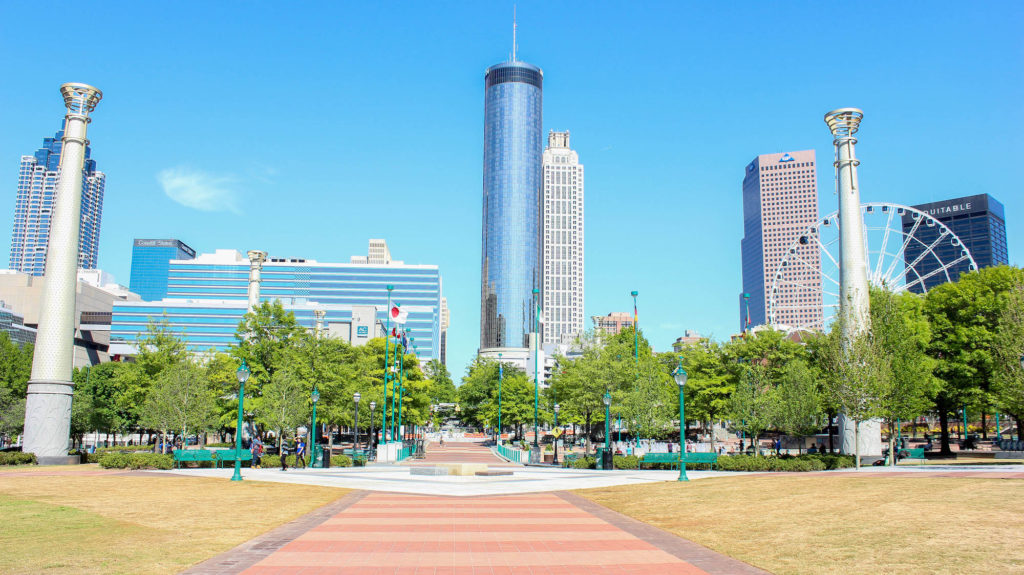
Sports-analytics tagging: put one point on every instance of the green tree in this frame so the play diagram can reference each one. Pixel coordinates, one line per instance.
(15, 370)
(159, 348)
(751, 406)
(180, 399)
(709, 384)
(964, 317)
(797, 402)
(266, 335)
(580, 384)
(516, 402)
(442, 388)
(284, 403)
(1008, 350)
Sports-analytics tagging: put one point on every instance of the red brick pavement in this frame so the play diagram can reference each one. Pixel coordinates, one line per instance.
(515, 534)
(462, 452)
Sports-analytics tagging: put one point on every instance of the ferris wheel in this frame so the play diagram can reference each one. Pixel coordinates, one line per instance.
(907, 249)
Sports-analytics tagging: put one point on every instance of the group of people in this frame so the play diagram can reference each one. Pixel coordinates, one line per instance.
(257, 449)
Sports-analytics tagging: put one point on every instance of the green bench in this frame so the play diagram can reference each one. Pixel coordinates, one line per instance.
(673, 459)
(187, 455)
(914, 453)
(225, 455)
(569, 458)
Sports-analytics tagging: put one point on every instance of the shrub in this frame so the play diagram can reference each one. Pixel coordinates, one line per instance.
(136, 461)
(270, 461)
(125, 449)
(625, 461)
(17, 458)
(224, 444)
(752, 463)
(585, 463)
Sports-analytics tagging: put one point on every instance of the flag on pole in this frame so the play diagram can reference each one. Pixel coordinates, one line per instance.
(398, 316)
(636, 315)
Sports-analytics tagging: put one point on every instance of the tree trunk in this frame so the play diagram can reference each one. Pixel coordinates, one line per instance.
(944, 432)
(984, 425)
(856, 442)
(831, 438)
(892, 445)
(711, 427)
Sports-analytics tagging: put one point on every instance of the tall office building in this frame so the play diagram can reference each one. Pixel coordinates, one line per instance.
(780, 199)
(980, 224)
(207, 296)
(563, 241)
(511, 242)
(151, 260)
(37, 189)
(445, 320)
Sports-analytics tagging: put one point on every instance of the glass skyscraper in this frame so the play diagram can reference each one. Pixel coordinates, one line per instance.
(207, 297)
(37, 190)
(980, 224)
(151, 262)
(512, 187)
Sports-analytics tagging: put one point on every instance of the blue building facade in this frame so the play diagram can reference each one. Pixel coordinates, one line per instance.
(980, 223)
(151, 264)
(37, 192)
(512, 193)
(208, 296)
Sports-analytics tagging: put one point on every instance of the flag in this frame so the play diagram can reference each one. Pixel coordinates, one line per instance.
(398, 316)
(636, 315)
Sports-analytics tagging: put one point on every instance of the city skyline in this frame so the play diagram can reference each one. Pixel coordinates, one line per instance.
(664, 178)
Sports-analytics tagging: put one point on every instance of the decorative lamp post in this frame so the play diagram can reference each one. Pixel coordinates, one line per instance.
(355, 437)
(313, 433)
(387, 340)
(1022, 362)
(557, 409)
(680, 376)
(607, 428)
(636, 347)
(243, 375)
(536, 353)
(500, 371)
(619, 417)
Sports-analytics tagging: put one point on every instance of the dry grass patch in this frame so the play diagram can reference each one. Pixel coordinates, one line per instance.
(840, 523)
(147, 523)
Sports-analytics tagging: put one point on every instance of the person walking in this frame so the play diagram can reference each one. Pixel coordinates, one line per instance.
(284, 454)
(300, 453)
(256, 448)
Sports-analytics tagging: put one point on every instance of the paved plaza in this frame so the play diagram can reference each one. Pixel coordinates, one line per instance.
(528, 523)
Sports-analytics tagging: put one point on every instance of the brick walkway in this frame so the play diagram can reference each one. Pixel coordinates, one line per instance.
(462, 452)
(386, 533)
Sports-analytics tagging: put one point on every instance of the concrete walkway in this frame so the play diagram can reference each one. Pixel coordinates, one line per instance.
(549, 533)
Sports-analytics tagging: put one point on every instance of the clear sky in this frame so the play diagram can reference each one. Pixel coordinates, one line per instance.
(305, 130)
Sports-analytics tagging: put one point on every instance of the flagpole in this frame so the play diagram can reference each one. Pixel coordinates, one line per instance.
(636, 350)
(536, 352)
(387, 336)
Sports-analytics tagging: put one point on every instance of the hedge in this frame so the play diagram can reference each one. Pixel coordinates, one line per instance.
(626, 461)
(17, 458)
(784, 463)
(269, 461)
(136, 461)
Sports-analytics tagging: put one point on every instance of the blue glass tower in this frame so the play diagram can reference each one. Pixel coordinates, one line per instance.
(151, 263)
(512, 191)
(37, 190)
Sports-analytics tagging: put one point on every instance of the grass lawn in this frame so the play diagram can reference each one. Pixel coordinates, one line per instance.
(840, 523)
(86, 522)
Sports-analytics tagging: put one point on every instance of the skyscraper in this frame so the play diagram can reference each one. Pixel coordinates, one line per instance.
(780, 199)
(563, 241)
(511, 238)
(37, 188)
(980, 224)
(151, 261)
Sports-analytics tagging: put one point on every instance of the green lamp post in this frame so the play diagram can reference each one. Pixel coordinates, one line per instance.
(607, 430)
(355, 438)
(555, 459)
(315, 396)
(636, 348)
(680, 376)
(499, 397)
(387, 342)
(243, 375)
(536, 353)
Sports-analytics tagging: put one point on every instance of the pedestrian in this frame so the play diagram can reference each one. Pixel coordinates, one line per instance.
(256, 448)
(300, 453)
(284, 454)
(778, 446)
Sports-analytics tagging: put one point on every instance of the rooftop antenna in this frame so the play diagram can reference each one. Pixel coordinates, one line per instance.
(514, 26)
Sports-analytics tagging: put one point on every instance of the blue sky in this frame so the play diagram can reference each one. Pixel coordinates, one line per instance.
(305, 130)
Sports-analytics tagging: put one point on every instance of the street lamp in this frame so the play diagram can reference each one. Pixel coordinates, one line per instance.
(1022, 362)
(636, 349)
(680, 376)
(499, 397)
(243, 375)
(606, 458)
(312, 432)
(355, 437)
(557, 409)
(536, 353)
(387, 341)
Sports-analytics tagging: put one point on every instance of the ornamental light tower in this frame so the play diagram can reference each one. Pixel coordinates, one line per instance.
(48, 405)
(854, 300)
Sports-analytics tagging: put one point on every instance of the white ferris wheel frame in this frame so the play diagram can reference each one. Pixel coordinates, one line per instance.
(888, 277)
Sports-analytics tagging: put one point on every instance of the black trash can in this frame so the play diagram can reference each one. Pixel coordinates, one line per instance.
(326, 458)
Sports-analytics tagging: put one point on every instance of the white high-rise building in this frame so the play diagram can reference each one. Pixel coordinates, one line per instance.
(37, 194)
(563, 241)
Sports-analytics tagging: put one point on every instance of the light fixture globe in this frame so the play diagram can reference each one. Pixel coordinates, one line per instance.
(607, 399)
(315, 395)
(680, 376)
(557, 408)
(357, 397)
(373, 405)
(243, 372)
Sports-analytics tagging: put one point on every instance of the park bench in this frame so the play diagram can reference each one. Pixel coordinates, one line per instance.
(915, 453)
(673, 459)
(569, 459)
(186, 455)
(225, 455)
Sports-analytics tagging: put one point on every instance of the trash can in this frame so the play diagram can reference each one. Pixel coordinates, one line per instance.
(326, 458)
